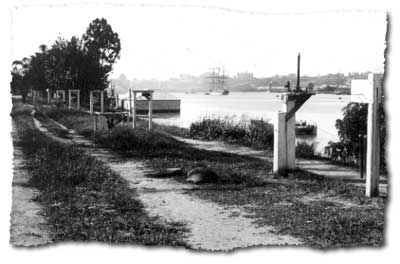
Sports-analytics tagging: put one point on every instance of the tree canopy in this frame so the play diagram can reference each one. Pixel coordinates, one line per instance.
(83, 64)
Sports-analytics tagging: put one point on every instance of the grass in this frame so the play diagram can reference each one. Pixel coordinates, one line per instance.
(83, 199)
(321, 212)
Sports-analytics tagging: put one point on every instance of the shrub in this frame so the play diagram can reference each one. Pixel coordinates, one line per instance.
(257, 133)
(305, 150)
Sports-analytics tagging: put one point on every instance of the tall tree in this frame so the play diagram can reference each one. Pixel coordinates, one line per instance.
(101, 42)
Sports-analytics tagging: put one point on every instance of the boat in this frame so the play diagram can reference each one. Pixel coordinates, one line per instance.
(217, 82)
(224, 92)
(305, 129)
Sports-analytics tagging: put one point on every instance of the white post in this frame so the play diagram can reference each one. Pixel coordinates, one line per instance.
(48, 96)
(130, 102)
(91, 102)
(373, 148)
(290, 132)
(134, 110)
(280, 150)
(101, 101)
(69, 99)
(150, 110)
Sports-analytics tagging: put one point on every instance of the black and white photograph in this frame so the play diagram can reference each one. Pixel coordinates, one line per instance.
(198, 127)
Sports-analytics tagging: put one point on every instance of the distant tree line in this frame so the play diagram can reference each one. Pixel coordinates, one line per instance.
(79, 63)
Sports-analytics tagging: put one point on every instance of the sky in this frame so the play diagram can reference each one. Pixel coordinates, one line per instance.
(165, 41)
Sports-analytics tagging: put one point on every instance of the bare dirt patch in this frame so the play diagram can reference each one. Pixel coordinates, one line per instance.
(28, 225)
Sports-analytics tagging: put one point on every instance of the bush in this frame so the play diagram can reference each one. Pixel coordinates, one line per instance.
(126, 139)
(353, 126)
(257, 133)
(305, 150)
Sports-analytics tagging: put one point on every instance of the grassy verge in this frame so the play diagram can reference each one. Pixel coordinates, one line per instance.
(83, 199)
(323, 213)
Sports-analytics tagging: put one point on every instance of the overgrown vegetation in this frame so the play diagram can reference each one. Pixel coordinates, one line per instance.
(305, 150)
(352, 128)
(83, 199)
(257, 134)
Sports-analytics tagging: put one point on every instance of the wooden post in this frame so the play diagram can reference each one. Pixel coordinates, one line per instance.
(69, 99)
(78, 103)
(91, 102)
(134, 110)
(130, 102)
(150, 110)
(290, 134)
(48, 96)
(361, 156)
(95, 122)
(101, 101)
(373, 146)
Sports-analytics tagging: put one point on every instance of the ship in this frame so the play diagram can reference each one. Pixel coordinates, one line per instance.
(217, 82)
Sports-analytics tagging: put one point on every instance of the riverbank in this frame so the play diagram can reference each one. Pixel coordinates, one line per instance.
(321, 212)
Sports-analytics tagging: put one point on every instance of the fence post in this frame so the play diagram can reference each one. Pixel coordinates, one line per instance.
(150, 110)
(373, 147)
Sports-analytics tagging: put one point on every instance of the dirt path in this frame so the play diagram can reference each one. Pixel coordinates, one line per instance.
(211, 226)
(28, 226)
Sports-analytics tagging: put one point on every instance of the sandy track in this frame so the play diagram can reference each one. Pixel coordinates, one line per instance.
(28, 225)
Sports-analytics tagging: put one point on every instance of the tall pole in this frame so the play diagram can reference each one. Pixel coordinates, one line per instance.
(134, 110)
(372, 175)
(101, 101)
(298, 73)
(91, 102)
(78, 103)
(130, 102)
(150, 110)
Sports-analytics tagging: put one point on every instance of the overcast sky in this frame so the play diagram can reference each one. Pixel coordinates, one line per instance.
(163, 42)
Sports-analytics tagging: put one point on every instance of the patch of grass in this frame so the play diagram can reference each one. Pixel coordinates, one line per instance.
(83, 199)
(53, 128)
(320, 223)
(172, 130)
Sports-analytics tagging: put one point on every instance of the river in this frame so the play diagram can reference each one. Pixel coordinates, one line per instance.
(321, 109)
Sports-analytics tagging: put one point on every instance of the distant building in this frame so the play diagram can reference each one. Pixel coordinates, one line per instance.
(244, 76)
